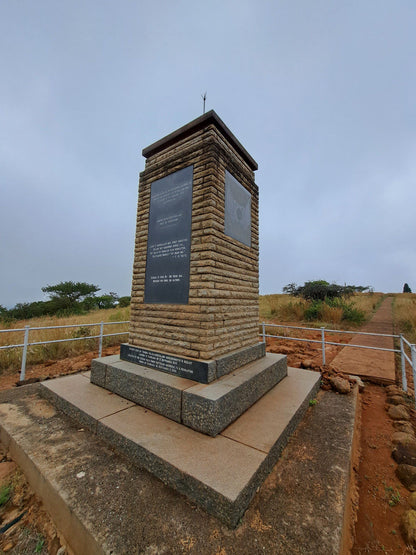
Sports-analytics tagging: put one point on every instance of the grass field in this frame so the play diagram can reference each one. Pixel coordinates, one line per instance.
(285, 308)
(278, 308)
(404, 313)
(11, 358)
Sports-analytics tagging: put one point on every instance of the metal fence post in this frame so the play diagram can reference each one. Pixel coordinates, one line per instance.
(24, 354)
(263, 332)
(403, 363)
(323, 346)
(100, 345)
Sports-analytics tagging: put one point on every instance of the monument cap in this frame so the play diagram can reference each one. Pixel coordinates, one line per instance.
(199, 123)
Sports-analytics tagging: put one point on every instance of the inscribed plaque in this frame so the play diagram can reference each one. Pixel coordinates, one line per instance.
(237, 222)
(169, 239)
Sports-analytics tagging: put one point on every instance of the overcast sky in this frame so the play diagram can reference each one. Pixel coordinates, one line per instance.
(321, 94)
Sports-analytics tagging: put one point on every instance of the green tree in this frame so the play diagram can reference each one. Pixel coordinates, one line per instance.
(124, 301)
(69, 294)
(71, 290)
(321, 290)
(406, 288)
(107, 301)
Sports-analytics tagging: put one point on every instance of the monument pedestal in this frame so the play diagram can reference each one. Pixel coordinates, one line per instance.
(207, 408)
(221, 474)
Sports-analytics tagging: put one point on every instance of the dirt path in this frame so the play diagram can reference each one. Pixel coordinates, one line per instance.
(382, 498)
(375, 366)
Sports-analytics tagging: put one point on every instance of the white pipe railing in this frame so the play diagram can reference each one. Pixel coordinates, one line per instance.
(26, 343)
(411, 360)
(403, 343)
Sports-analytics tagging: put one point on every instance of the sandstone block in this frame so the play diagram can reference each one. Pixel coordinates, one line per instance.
(406, 473)
(398, 412)
(408, 527)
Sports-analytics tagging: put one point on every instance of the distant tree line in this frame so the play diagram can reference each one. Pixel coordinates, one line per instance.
(65, 298)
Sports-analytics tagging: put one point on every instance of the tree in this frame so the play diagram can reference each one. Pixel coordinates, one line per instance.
(321, 290)
(290, 289)
(68, 294)
(124, 301)
(406, 288)
(107, 301)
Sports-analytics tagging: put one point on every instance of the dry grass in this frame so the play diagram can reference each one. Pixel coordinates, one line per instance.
(404, 314)
(285, 309)
(11, 358)
(367, 302)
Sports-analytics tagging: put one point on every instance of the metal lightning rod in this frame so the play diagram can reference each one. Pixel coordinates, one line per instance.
(204, 97)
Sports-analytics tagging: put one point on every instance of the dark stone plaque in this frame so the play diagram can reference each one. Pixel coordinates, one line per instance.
(237, 223)
(169, 239)
(184, 368)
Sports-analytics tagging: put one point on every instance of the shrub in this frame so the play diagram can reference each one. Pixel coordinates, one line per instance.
(314, 311)
(352, 314)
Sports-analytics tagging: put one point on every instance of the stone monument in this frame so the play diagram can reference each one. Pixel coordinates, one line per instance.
(194, 308)
(195, 398)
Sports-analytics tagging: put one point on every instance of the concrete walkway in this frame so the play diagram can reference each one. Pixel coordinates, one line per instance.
(375, 366)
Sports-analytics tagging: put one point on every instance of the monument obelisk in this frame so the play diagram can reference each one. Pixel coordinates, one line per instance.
(194, 307)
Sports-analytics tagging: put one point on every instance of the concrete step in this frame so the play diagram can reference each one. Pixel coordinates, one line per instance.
(220, 474)
(102, 503)
(207, 408)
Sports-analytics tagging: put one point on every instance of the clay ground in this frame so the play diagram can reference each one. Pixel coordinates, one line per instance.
(379, 501)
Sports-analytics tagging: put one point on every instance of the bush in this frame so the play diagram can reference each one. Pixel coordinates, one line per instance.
(314, 311)
(352, 314)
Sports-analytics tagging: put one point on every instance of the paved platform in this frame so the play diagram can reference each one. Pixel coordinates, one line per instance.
(222, 473)
(207, 408)
(103, 503)
(372, 365)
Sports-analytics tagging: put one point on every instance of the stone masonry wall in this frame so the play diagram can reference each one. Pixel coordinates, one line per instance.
(222, 313)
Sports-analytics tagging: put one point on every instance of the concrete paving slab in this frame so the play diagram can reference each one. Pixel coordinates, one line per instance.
(261, 424)
(103, 503)
(221, 464)
(372, 365)
(78, 398)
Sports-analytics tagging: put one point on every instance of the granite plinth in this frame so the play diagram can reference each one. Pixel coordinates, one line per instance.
(208, 408)
(149, 388)
(220, 474)
(203, 371)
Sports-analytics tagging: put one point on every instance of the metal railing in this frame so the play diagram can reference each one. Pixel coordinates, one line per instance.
(404, 357)
(26, 343)
(403, 342)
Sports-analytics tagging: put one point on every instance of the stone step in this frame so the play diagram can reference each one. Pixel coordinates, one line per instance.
(207, 408)
(220, 474)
